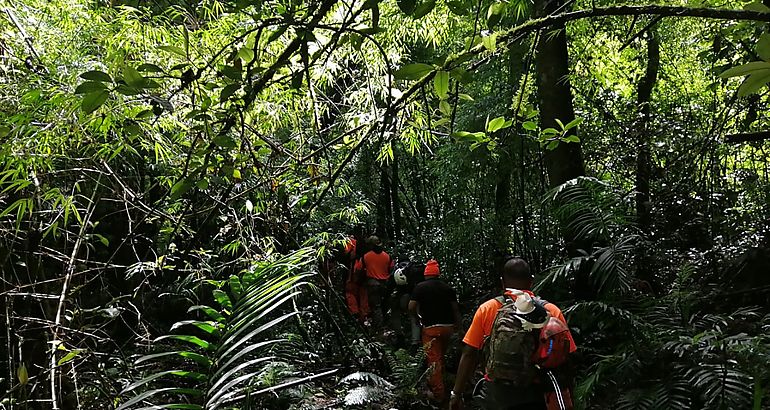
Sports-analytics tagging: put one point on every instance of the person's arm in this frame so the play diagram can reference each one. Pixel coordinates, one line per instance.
(468, 363)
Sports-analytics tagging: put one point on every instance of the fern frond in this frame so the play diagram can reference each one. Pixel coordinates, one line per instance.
(365, 395)
(231, 355)
(367, 378)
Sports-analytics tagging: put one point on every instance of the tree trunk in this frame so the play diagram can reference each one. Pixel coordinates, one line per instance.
(384, 207)
(565, 162)
(394, 198)
(504, 170)
(555, 97)
(643, 166)
(643, 160)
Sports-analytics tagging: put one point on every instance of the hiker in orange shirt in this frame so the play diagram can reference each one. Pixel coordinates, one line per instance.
(355, 289)
(434, 303)
(526, 391)
(377, 264)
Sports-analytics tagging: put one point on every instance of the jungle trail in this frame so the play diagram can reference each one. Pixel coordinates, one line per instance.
(525, 339)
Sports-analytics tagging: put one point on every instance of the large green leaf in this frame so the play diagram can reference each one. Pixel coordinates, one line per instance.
(96, 75)
(93, 100)
(194, 340)
(228, 91)
(496, 124)
(180, 188)
(754, 82)
(222, 298)
(495, 14)
(763, 46)
(90, 87)
(441, 84)
(413, 71)
(490, 41)
(132, 77)
(218, 382)
(196, 357)
(224, 367)
(158, 375)
(209, 311)
(208, 327)
(745, 69)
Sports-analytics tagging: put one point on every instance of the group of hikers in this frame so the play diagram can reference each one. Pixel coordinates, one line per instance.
(522, 341)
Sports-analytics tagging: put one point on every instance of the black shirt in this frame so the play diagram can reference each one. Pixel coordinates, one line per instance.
(435, 298)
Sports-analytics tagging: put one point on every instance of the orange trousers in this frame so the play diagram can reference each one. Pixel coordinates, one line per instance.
(357, 298)
(435, 340)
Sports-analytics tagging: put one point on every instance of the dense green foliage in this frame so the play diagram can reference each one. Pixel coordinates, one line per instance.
(178, 176)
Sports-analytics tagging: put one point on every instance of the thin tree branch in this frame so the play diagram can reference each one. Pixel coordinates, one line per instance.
(747, 137)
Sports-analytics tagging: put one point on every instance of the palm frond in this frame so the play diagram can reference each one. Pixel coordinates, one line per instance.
(231, 351)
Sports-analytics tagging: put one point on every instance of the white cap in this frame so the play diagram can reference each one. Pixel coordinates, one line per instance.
(524, 306)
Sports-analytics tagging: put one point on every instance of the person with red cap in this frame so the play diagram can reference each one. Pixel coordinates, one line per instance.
(434, 303)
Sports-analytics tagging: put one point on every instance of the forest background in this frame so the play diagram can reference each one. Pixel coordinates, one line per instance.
(174, 173)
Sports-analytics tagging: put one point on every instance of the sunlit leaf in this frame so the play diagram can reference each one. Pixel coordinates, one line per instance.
(757, 6)
(529, 125)
(441, 84)
(189, 339)
(445, 108)
(494, 14)
(412, 71)
(222, 298)
(490, 41)
(754, 82)
(496, 124)
(69, 356)
(746, 69)
(132, 77)
(246, 54)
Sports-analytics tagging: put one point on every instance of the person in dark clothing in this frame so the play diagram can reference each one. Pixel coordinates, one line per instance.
(406, 275)
(434, 303)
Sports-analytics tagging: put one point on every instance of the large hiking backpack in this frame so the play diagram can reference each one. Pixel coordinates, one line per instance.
(510, 347)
